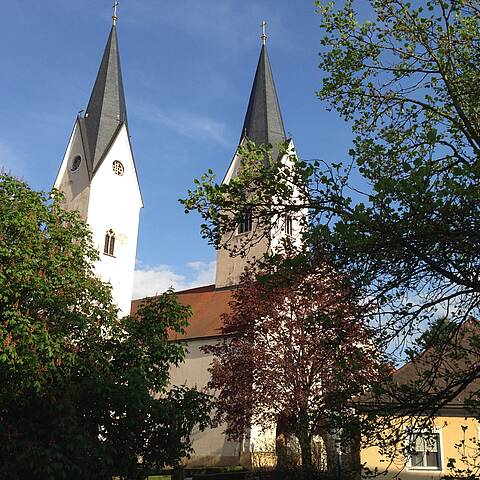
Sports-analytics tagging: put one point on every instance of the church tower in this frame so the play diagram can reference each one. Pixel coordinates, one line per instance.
(99, 179)
(264, 126)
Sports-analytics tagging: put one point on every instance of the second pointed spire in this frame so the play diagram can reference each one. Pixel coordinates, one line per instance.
(263, 121)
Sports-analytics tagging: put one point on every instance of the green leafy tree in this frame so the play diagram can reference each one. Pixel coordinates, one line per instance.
(400, 213)
(77, 384)
(401, 216)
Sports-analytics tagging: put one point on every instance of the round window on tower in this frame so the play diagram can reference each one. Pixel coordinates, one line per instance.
(118, 168)
(76, 163)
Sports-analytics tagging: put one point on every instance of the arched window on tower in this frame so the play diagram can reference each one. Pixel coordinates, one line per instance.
(109, 246)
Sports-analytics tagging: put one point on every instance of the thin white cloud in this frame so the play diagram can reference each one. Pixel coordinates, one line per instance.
(204, 273)
(232, 23)
(187, 124)
(151, 281)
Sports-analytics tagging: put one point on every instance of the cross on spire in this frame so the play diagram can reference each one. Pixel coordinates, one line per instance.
(264, 32)
(114, 17)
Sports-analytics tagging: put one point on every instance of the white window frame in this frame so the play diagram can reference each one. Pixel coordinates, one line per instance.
(439, 468)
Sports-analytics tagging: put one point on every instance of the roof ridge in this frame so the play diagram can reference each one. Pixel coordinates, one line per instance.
(206, 288)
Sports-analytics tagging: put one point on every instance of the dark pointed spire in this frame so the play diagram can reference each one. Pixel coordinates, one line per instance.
(106, 110)
(263, 121)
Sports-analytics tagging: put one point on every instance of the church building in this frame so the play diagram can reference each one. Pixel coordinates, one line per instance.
(98, 178)
(263, 125)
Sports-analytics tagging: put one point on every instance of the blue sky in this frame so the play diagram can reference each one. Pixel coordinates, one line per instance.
(188, 68)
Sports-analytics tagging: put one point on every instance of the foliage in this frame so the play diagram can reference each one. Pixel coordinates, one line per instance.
(46, 272)
(261, 187)
(294, 352)
(406, 80)
(438, 332)
(76, 398)
(400, 218)
(467, 464)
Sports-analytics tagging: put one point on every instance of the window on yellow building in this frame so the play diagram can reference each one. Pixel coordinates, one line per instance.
(426, 451)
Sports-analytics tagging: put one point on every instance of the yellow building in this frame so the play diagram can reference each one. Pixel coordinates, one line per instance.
(451, 435)
(438, 433)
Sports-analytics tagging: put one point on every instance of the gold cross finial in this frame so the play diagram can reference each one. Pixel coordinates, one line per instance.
(114, 18)
(264, 32)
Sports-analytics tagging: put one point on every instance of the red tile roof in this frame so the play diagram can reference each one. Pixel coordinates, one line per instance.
(450, 370)
(208, 305)
(442, 376)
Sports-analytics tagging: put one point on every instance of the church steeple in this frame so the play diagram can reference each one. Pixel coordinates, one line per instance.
(264, 126)
(263, 121)
(106, 110)
(98, 176)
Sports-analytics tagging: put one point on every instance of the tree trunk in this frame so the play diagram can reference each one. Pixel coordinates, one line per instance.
(305, 440)
(178, 473)
(306, 447)
(353, 467)
(331, 451)
(281, 450)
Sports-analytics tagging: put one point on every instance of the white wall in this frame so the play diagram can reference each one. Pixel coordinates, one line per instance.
(211, 446)
(107, 202)
(114, 204)
(298, 218)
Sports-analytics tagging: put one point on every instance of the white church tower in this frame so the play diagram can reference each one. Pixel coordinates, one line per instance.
(99, 179)
(263, 125)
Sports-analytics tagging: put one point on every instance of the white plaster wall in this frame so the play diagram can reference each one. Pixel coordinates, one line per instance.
(74, 185)
(278, 228)
(115, 202)
(211, 446)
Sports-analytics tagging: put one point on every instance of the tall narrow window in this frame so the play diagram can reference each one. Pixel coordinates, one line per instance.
(109, 246)
(245, 224)
(288, 225)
